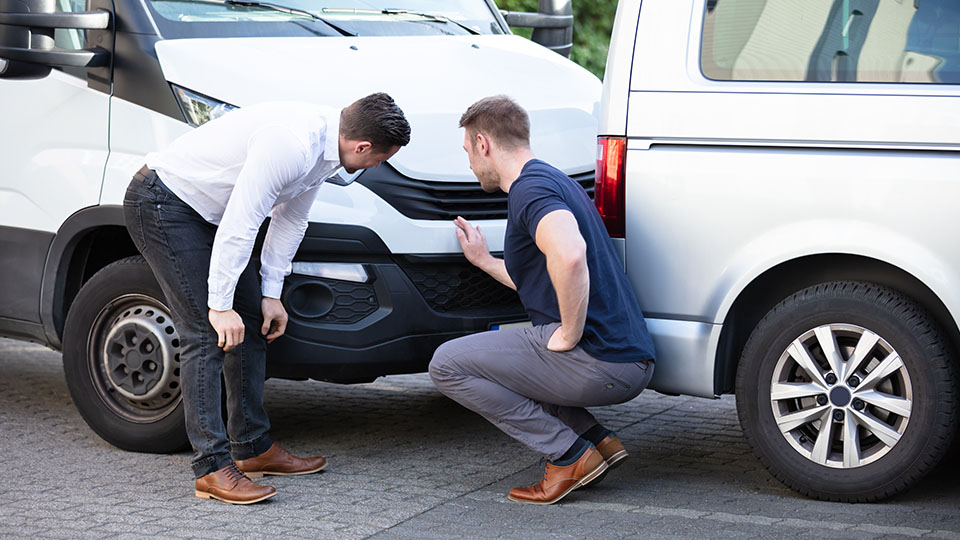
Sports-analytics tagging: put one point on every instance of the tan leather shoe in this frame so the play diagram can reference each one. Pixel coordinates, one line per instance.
(232, 486)
(277, 461)
(558, 481)
(612, 451)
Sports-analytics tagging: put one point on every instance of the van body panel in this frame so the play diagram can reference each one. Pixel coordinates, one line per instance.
(688, 346)
(45, 179)
(848, 120)
(561, 98)
(135, 131)
(868, 203)
(616, 79)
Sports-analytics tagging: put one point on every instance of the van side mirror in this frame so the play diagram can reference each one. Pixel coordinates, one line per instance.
(26, 38)
(552, 24)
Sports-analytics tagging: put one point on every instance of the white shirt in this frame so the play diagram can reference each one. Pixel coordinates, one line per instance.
(238, 168)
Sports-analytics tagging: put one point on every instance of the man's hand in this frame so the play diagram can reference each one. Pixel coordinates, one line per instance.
(474, 246)
(561, 342)
(229, 327)
(473, 242)
(274, 318)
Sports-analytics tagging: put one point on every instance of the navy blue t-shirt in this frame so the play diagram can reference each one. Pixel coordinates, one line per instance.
(615, 330)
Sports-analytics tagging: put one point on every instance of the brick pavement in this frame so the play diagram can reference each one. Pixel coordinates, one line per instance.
(407, 463)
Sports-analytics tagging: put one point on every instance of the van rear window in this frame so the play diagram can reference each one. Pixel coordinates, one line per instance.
(899, 41)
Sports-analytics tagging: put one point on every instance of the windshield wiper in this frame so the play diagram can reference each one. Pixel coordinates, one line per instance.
(290, 10)
(432, 17)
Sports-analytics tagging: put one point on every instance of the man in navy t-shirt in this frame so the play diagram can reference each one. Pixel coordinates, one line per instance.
(588, 345)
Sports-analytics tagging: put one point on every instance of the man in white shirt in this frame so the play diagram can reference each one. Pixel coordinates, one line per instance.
(194, 212)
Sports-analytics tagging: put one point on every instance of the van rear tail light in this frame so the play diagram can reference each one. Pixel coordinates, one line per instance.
(609, 193)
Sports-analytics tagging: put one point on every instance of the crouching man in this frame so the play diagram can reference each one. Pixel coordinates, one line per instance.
(588, 345)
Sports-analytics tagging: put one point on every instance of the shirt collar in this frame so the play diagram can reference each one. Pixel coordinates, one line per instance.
(331, 146)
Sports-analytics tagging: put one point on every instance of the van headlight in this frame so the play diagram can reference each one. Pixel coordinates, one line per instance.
(199, 109)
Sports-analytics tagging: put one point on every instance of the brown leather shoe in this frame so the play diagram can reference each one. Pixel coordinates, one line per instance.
(232, 486)
(558, 481)
(277, 461)
(612, 451)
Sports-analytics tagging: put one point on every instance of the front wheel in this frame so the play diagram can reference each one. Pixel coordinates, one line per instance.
(846, 391)
(121, 358)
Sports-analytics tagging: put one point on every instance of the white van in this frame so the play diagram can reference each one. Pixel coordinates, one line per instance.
(379, 281)
(783, 178)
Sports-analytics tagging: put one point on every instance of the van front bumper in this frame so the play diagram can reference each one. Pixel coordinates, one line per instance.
(392, 322)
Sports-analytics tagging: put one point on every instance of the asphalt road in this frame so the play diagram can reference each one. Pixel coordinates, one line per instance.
(405, 462)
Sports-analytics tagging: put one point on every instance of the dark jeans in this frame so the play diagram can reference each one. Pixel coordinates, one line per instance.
(177, 243)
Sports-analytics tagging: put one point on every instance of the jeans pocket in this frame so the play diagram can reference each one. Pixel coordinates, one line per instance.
(133, 219)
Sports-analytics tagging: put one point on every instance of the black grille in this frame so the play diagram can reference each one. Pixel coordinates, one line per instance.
(457, 287)
(328, 300)
(351, 302)
(422, 199)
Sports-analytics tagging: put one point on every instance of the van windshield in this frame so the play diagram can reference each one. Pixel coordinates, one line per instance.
(216, 18)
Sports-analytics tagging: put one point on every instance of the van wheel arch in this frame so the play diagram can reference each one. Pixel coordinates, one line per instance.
(87, 241)
(785, 279)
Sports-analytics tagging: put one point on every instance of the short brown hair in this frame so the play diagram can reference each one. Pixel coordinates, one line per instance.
(375, 118)
(501, 118)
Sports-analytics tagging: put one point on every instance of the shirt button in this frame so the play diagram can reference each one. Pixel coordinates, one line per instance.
(609, 385)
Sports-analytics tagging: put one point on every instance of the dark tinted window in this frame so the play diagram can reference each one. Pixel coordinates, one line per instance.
(909, 41)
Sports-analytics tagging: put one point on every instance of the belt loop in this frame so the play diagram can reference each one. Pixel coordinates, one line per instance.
(148, 175)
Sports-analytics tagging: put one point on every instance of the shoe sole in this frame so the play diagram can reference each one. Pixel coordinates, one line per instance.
(615, 461)
(205, 495)
(261, 474)
(585, 481)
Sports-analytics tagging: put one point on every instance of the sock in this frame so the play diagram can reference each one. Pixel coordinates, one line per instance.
(573, 454)
(596, 434)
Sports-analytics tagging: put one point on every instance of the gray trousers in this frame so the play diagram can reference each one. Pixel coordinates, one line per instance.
(533, 394)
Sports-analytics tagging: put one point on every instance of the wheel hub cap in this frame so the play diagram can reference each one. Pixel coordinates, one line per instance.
(869, 403)
(840, 397)
(140, 355)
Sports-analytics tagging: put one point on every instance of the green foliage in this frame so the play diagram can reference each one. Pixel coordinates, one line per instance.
(592, 22)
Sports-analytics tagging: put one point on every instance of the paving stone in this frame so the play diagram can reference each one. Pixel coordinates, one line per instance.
(405, 462)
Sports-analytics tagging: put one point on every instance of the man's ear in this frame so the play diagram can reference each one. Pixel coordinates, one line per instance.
(483, 144)
(363, 147)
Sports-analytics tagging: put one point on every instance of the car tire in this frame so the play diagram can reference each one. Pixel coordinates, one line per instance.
(889, 396)
(121, 360)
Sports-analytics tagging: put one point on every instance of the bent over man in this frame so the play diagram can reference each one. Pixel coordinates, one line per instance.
(588, 345)
(194, 211)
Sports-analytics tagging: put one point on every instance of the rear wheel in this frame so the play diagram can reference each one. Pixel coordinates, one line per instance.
(846, 391)
(121, 358)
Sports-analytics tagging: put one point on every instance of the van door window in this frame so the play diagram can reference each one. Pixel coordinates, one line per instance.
(900, 41)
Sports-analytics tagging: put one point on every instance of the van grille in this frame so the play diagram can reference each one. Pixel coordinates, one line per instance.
(423, 199)
(452, 287)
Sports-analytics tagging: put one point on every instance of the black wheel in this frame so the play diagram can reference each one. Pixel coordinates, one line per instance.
(846, 391)
(121, 358)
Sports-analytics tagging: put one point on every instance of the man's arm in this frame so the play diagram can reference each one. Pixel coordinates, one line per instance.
(474, 246)
(558, 237)
(287, 226)
(274, 158)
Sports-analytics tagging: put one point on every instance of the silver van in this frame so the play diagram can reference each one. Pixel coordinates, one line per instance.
(783, 178)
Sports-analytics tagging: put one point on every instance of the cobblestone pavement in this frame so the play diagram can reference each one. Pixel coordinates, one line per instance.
(405, 462)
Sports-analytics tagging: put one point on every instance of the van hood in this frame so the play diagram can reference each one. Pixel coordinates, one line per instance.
(433, 79)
